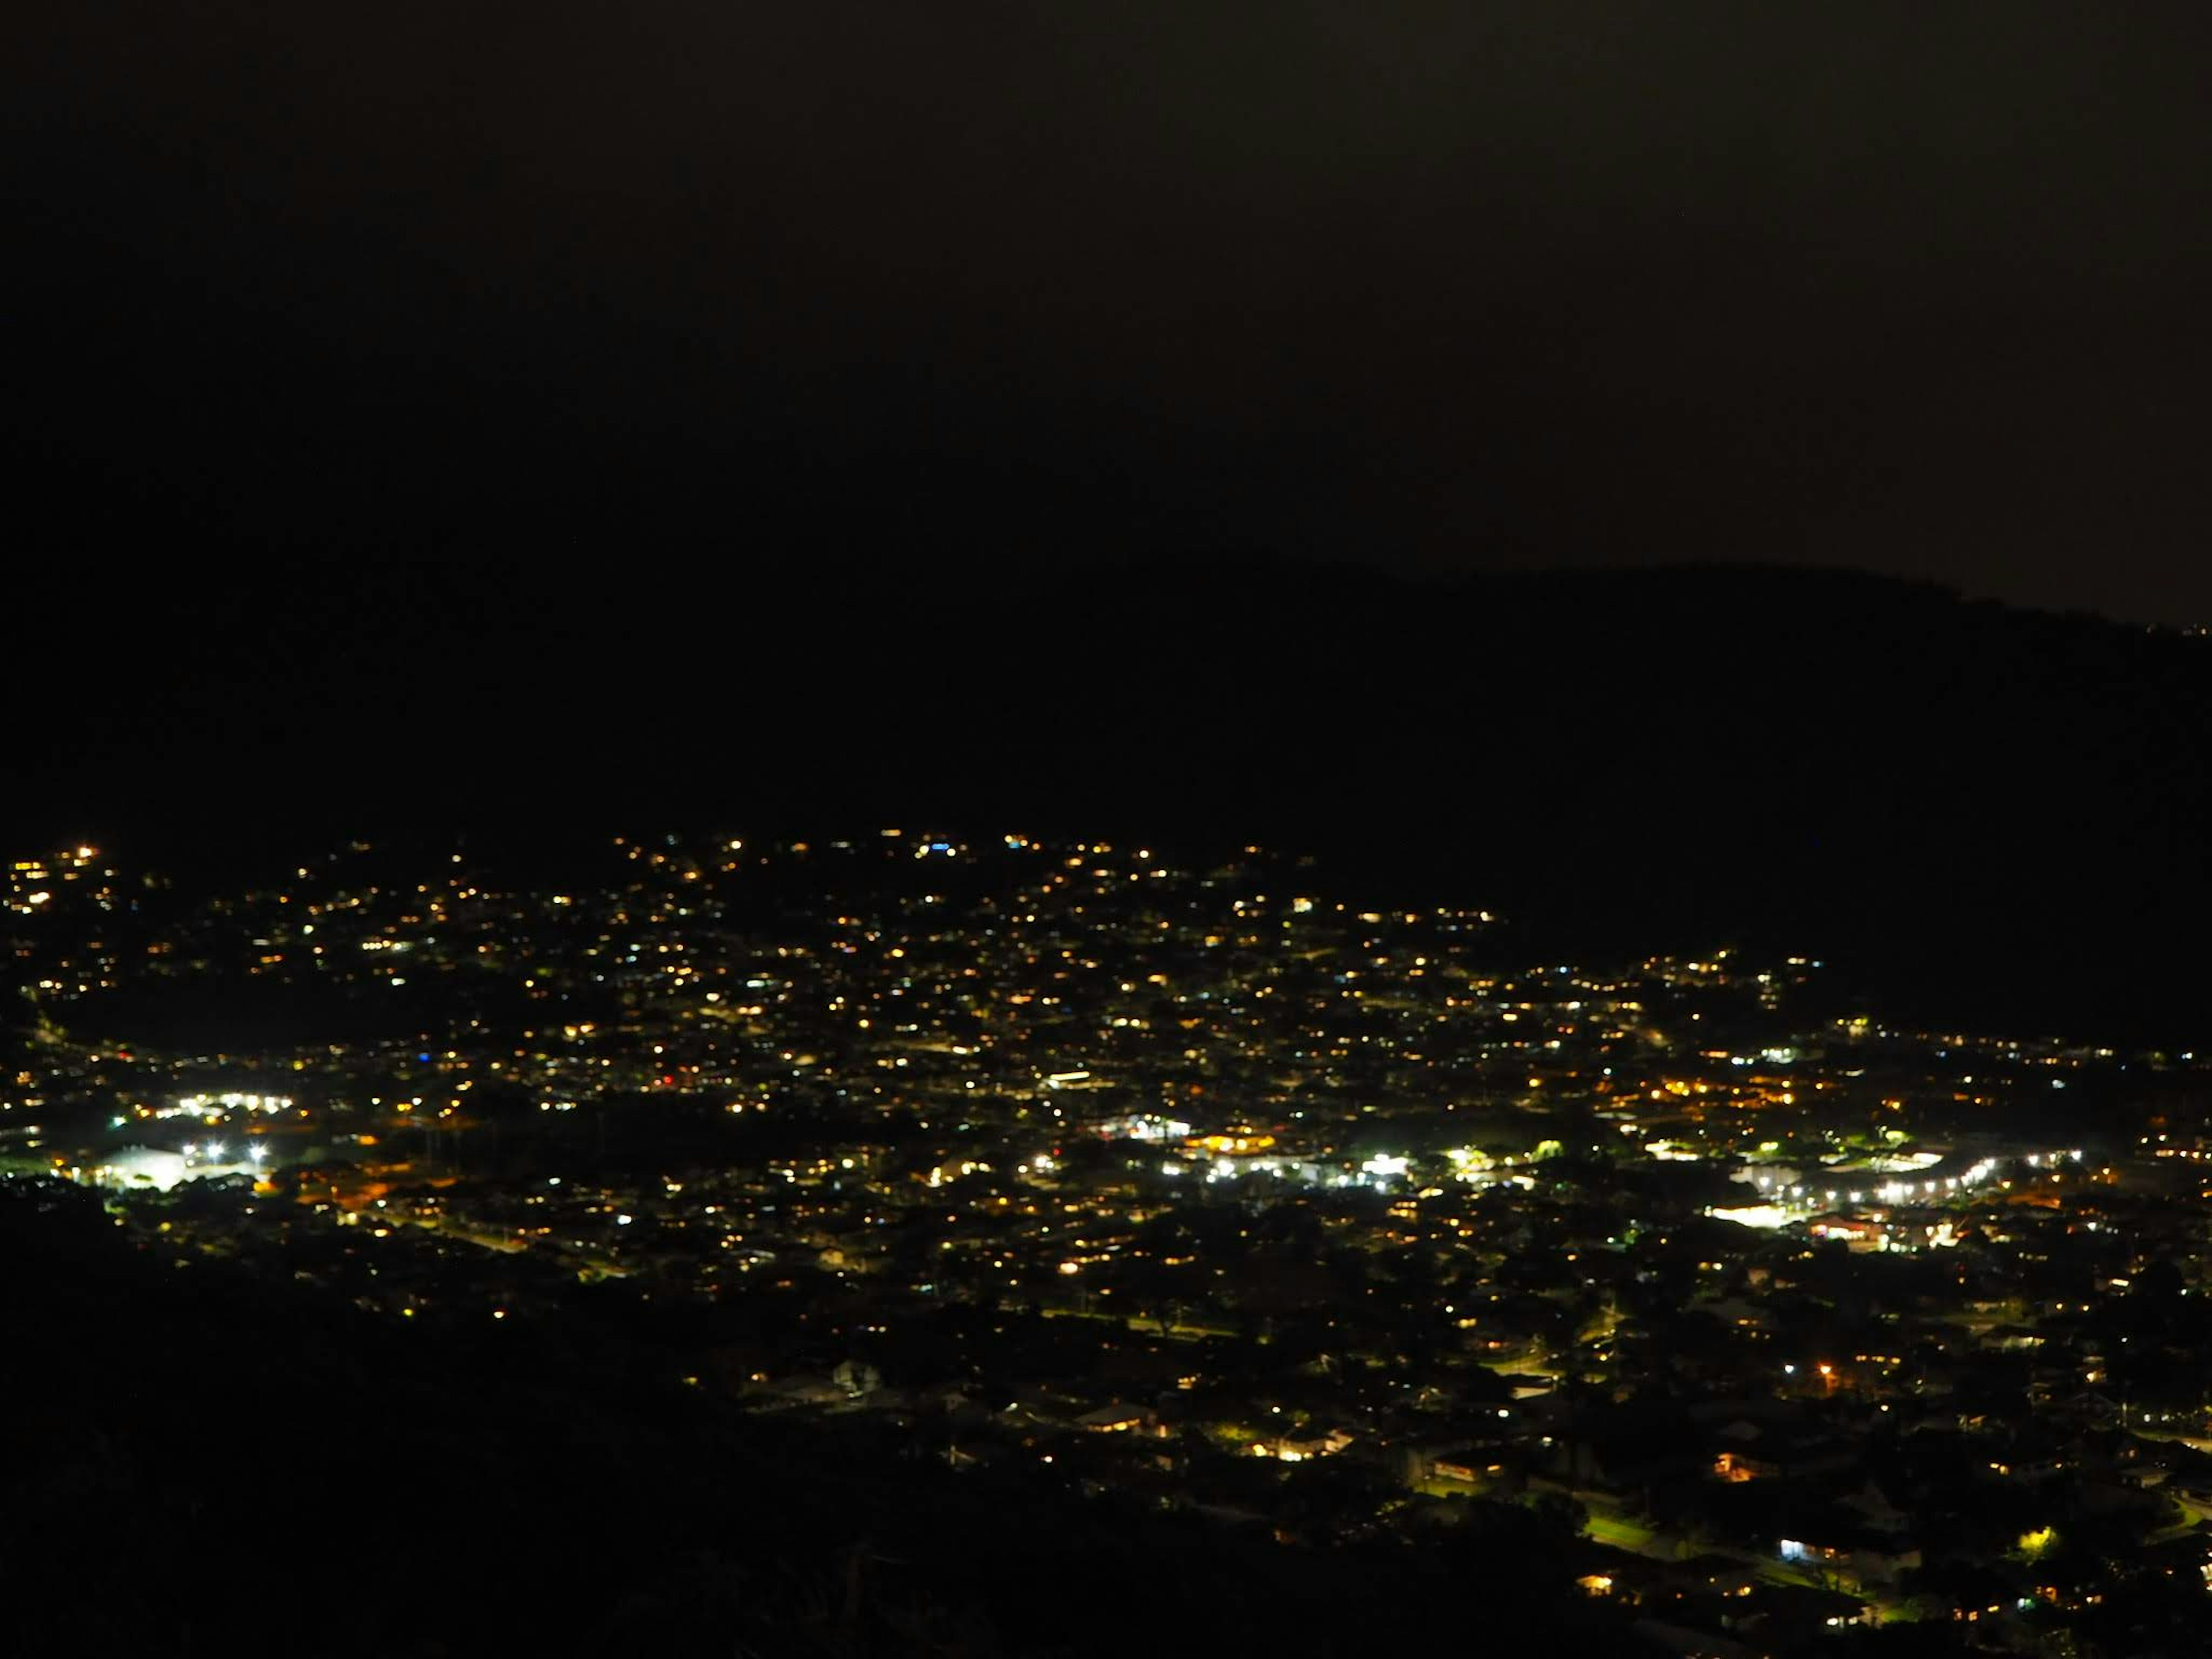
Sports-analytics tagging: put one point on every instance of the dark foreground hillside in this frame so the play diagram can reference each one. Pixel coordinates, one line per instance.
(200, 1461)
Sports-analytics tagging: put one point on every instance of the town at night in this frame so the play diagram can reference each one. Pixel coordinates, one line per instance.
(868, 829)
(1181, 1191)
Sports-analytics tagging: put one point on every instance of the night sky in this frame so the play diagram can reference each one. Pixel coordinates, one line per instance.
(1905, 287)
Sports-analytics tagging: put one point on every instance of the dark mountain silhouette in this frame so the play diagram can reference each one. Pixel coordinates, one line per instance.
(1978, 813)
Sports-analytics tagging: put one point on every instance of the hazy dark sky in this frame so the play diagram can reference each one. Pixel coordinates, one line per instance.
(1908, 286)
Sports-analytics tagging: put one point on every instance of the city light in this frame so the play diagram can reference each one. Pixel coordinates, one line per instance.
(1073, 1129)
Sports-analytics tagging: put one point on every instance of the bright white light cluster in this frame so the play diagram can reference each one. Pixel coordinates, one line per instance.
(1143, 1126)
(201, 1105)
(1797, 1199)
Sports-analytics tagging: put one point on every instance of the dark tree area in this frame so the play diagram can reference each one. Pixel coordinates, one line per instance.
(217, 1461)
